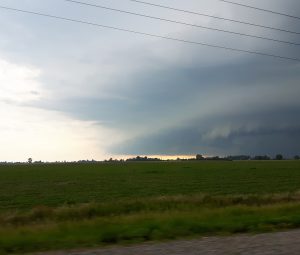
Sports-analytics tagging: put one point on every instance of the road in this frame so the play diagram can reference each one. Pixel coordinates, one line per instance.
(287, 243)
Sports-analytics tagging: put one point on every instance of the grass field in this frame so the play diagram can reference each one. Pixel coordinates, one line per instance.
(46, 207)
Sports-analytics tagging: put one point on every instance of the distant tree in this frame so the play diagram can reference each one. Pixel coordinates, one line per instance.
(29, 160)
(239, 157)
(142, 159)
(297, 157)
(261, 157)
(199, 157)
(279, 157)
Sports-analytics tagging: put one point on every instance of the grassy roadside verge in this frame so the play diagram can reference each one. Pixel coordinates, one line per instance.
(132, 221)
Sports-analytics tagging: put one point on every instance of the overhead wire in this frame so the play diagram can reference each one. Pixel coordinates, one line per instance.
(180, 22)
(150, 35)
(260, 9)
(215, 17)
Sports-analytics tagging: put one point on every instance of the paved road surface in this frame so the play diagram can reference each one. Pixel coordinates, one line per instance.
(287, 243)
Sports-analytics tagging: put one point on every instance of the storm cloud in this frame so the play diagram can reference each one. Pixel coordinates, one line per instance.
(163, 97)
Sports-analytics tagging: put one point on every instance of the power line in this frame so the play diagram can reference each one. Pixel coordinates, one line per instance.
(151, 35)
(215, 17)
(260, 9)
(181, 23)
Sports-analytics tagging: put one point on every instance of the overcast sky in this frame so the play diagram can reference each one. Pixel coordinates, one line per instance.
(71, 91)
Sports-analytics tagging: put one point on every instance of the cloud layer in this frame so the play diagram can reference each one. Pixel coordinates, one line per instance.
(140, 95)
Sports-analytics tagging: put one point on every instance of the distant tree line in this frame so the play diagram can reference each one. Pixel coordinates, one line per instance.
(247, 157)
(198, 157)
(139, 158)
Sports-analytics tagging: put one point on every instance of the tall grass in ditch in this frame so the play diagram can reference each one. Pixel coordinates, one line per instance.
(140, 206)
(147, 226)
(139, 220)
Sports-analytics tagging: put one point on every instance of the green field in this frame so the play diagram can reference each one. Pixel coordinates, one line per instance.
(58, 206)
(26, 186)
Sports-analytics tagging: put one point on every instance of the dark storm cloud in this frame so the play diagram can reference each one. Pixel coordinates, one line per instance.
(172, 98)
(258, 117)
(261, 133)
(149, 94)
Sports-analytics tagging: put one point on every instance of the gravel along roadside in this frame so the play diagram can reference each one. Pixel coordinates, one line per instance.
(282, 243)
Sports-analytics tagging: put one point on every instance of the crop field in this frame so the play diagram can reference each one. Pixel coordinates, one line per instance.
(27, 186)
(62, 206)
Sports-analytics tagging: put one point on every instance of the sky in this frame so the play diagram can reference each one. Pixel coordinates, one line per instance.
(70, 91)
